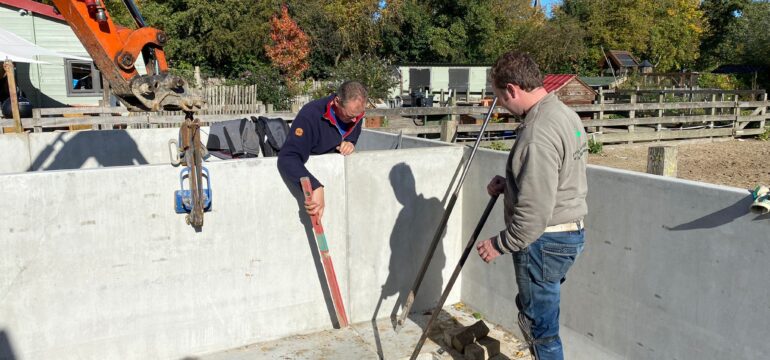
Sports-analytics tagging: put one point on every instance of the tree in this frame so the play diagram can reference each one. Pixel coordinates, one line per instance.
(719, 16)
(224, 37)
(377, 74)
(667, 31)
(325, 43)
(556, 45)
(675, 35)
(289, 49)
(404, 32)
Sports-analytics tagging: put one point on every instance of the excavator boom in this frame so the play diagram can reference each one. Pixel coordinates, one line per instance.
(115, 50)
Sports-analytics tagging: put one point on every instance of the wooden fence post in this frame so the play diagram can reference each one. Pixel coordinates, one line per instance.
(661, 100)
(448, 131)
(11, 76)
(763, 111)
(661, 160)
(631, 115)
(601, 109)
(713, 109)
(737, 114)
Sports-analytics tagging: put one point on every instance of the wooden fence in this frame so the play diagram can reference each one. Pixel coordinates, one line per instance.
(616, 117)
(225, 99)
(629, 116)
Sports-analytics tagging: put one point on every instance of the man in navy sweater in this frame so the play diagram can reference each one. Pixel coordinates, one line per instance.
(323, 126)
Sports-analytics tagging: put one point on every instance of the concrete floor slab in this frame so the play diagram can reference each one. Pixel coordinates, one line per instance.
(376, 340)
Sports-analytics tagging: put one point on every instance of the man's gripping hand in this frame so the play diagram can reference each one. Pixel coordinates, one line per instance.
(346, 148)
(496, 186)
(316, 204)
(487, 251)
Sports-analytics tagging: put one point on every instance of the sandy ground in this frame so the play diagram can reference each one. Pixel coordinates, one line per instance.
(739, 163)
(377, 340)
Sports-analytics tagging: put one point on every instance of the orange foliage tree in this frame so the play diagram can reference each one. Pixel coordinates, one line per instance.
(289, 48)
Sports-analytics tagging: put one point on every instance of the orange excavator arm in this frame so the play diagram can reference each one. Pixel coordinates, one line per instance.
(115, 49)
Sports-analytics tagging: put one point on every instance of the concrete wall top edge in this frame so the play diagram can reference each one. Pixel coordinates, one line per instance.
(665, 179)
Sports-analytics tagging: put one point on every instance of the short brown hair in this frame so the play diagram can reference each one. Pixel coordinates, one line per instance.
(516, 68)
(350, 90)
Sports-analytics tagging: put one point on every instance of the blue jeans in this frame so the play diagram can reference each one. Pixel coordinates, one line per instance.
(541, 268)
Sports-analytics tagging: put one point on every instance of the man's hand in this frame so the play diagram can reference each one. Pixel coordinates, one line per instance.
(346, 148)
(487, 251)
(316, 204)
(496, 186)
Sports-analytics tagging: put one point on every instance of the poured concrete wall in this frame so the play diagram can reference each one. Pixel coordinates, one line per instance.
(84, 149)
(107, 148)
(388, 243)
(672, 269)
(96, 265)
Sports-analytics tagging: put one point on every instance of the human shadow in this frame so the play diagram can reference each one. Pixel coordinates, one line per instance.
(108, 148)
(409, 243)
(304, 218)
(6, 350)
(717, 218)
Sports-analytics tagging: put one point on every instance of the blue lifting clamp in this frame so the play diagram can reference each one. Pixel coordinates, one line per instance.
(183, 198)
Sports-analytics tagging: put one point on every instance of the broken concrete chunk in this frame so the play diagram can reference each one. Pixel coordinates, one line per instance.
(483, 349)
(469, 335)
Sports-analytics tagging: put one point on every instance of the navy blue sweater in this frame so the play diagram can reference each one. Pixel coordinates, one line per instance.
(313, 132)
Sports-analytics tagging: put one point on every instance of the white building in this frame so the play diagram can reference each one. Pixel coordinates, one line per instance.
(54, 82)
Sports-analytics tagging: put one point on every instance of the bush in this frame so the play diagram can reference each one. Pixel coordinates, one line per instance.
(377, 74)
(270, 85)
(594, 147)
(718, 81)
(765, 136)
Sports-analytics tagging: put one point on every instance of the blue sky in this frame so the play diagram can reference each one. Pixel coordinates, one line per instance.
(548, 3)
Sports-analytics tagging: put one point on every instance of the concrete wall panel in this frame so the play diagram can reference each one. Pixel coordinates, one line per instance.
(14, 149)
(96, 265)
(670, 269)
(395, 201)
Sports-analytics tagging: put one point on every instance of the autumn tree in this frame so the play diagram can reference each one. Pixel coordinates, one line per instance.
(325, 40)
(667, 32)
(289, 49)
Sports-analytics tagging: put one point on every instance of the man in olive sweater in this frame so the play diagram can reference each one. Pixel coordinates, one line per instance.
(545, 191)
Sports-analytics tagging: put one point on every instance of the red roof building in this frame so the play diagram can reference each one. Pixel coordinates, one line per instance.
(569, 88)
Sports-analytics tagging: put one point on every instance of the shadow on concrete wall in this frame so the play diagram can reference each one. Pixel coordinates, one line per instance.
(409, 242)
(108, 148)
(717, 218)
(6, 351)
(304, 218)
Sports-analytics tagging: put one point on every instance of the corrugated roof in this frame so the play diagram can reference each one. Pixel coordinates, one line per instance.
(554, 82)
(33, 7)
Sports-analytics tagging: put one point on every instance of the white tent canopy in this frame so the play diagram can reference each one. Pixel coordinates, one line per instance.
(16, 49)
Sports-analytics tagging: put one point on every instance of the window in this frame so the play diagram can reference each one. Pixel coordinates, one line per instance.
(83, 79)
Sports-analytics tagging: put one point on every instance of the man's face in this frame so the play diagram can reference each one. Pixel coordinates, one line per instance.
(509, 99)
(349, 110)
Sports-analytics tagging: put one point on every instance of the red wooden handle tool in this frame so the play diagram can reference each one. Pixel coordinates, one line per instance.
(326, 258)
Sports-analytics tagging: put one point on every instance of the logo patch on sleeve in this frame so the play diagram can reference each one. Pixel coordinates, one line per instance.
(299, 132)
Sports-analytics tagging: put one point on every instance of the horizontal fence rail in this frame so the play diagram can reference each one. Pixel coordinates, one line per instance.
(619, 116)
